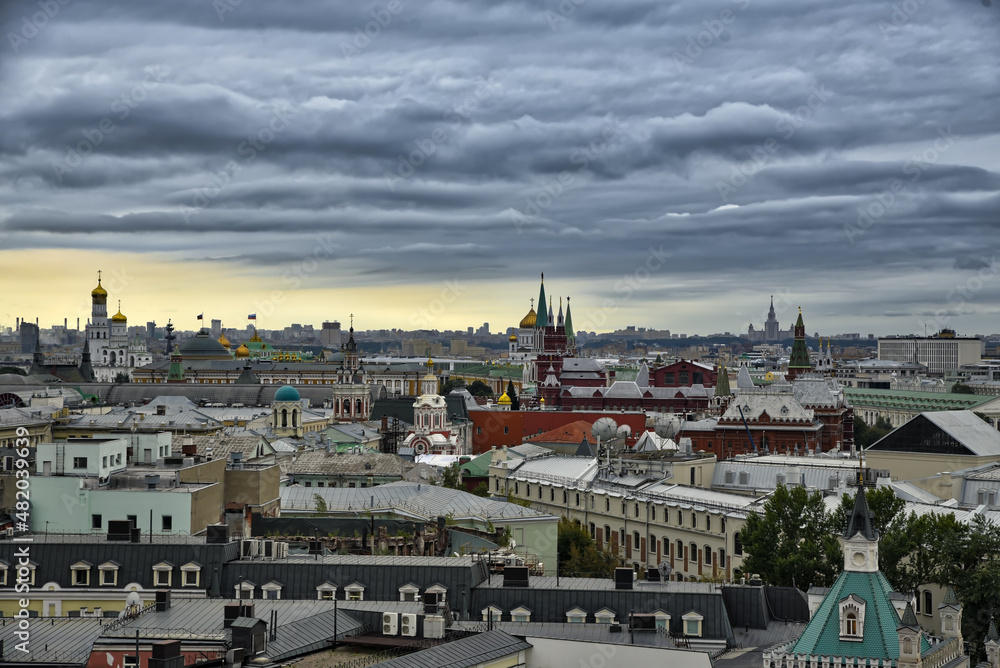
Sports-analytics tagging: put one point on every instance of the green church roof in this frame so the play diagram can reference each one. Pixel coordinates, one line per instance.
(880, 638)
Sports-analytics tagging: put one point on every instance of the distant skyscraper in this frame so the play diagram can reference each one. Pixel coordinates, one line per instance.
(216, 329)
(771, 324)
(29, 337)
(330, 335)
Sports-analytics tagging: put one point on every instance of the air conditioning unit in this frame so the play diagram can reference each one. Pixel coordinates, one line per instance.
(281, 550)
(268, 552)
(390, 623)
(408, 625)
(249, 548)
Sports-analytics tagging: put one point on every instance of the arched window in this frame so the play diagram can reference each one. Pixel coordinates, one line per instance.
(694, 520)
(607, 533)
(694, 552)
(680, 549)
(737, 544)
(607, 505)
(907, 646)
(680, 518)
(722, 558)
(621, 537)
(637, 510)
(722, 529)
(708, 522)
(635, 540)
(708, 555)
(284, 417)
(927, 602)
(851, 624)
(552, 494)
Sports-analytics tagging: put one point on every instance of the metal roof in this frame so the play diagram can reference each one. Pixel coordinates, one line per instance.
(53, 640)
(474, 650)
(969, 429)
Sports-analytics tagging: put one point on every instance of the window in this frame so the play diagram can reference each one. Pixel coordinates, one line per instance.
(167, 523)
(852, 618)
(708, 522)
(635, 540)
(652, 544)
(272, 590)
(692, 475)
(636, 510)
(191, 574)
(492, 613)
(326, 591)
(565, 496)
(81, 574)
(245, 590)
(708, 555)
(578, 499)
(607, 505)
(506, 429)
(479, 430)
(604, 616)
(737, 544)
(692, 624)
(662, 620)
(722, 521)
(680, 550)
(729, 477)
(593, 531)
(607, 533)
(907, 646)
(96, 522)
(520, 614)
(652, 513)
(552, 494)
(79, 462)
(852, 624)
(621, 537)
(694, 552)
(680, 518)
(355, 592)
(927, 603)
(163, 573)
(722, 558)
(408, 592)
(744, 478)
(109, 574)
(694, 521)
(104, 462)
(576, 616)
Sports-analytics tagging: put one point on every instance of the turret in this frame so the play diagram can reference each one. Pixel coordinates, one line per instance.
(908, 631)
(860, 539)
(992, 645)
(950, 612)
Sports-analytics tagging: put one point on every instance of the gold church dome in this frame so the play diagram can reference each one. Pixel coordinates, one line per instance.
(529, 320)
(224, 341)
(513, 337)
(504, 400)
(243, 351)
(99, 291)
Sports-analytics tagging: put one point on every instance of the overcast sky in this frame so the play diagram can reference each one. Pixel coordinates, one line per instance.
(668, 164)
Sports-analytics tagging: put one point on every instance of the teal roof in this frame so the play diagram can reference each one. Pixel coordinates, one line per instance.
(478, 467)
(924, 401)
(821, 636)
(286, 393)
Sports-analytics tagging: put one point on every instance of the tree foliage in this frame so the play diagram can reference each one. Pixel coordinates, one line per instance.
(578, 553)
(515, 403)
(792, 541)
(962, 388)
(17, 371)
(451, 477)
(122, 377)
(480, 389)
(865, 435)
(320, 504)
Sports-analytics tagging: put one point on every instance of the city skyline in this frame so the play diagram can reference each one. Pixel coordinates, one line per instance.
(666, 166)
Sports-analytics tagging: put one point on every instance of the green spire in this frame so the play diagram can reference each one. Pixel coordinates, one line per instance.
(991, 634)
(909, 619)
(722, 383)
(570, 334)
(799, 358)
(543, 318)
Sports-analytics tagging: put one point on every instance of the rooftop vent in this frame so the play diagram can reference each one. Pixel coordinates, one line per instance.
(152, 480)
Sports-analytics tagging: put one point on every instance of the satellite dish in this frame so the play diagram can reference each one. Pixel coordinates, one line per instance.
(133, 598)
(665, 570)
(604, 429)
(666, 426)
(624, 431)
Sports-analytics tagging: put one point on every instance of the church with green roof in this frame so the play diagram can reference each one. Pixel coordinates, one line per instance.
(857, 623)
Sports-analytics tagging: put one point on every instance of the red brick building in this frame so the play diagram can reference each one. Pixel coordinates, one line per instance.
(499, 428)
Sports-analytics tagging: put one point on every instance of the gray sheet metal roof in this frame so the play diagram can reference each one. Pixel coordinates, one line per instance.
(579, 632)
(57, 640)
(426, 501)
(549, 603)
(470, 651)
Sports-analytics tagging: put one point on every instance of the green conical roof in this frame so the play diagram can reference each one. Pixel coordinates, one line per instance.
(861, 518)
(799, 323)
(175, 374)
(880, 639)
(950, 598)
(909, 619)
(543, 318)
(991, 634)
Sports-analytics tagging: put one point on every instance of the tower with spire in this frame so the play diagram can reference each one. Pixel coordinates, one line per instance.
(110, 351)
(771, 325)
(799, 362)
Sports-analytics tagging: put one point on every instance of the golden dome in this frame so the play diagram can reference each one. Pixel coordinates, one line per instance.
(513, 337)
(224, 341)
(255, 338)
(530, 319)
(504, 400)
(99, 292)
(243, 351)
(429, 363)
(118, 317)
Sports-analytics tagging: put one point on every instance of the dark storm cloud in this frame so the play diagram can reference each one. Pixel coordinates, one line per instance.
(515, 137)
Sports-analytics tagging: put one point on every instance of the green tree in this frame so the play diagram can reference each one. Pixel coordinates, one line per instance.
(122, 377)
(482, 489)
(515, 403)
(454, 384)
(480, 389)
(451, 477)
(962, 388)
(865, 435)
(13, 369)
(578, 553)
(320, 504)
(792, 542)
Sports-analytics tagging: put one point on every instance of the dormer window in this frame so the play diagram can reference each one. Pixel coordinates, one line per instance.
(109, 573)
(852, 618)
(163, 574)
(81, 573)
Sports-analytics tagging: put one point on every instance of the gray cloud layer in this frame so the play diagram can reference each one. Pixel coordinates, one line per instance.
(851, 145)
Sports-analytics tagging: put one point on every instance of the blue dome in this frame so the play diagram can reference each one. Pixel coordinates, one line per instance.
(286, 393)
